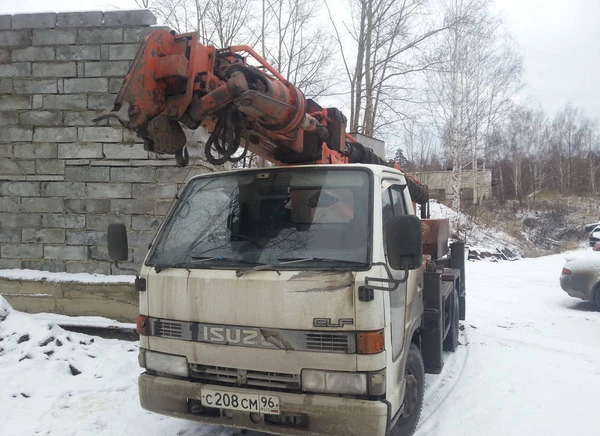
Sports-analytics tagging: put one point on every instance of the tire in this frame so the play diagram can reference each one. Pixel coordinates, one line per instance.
(597, 296)
(413, 394)
(451, 340)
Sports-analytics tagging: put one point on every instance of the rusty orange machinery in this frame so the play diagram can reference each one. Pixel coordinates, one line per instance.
(175, 79)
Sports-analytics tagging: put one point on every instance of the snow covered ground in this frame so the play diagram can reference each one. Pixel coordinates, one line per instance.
(529, 365)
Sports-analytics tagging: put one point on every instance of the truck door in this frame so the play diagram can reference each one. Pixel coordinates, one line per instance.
(393, 205)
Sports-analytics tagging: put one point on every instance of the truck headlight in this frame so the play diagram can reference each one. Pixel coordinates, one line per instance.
(334, 382)
(168, 363)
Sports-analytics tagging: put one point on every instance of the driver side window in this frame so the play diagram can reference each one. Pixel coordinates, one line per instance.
(392, 204)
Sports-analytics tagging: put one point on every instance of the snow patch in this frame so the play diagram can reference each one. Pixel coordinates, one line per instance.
(35, 275)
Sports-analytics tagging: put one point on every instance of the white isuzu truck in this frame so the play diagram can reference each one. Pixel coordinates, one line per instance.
(295, 301)
(305, 298)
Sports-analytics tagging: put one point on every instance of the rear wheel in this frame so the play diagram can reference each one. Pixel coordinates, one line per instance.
(451, 340)
(413, 393)
(597, 296)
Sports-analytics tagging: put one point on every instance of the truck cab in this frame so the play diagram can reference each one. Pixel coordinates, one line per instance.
(295, 300)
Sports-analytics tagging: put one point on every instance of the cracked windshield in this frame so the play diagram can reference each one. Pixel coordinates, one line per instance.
(316, 217)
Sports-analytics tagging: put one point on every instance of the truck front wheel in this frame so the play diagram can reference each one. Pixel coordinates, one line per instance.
(413, 394)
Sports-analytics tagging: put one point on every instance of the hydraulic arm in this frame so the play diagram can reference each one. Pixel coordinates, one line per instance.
(241, 100)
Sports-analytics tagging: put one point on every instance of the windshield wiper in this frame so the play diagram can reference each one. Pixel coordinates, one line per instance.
(319, 259)
(288, 260)
(196, 261)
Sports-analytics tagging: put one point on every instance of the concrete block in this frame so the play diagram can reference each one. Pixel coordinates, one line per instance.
(136, 35)
(79, 19)
(153, 190)
(5, 22)
(100, 134)
(118, 151)
(33, 54)
(83, 118)
(79, 151)
(122, 52)
(65, 252)
(129, 18)
(104, 53)
(132, 174)
(14, 102)
(87, 206)
(87, 174)
(34, 21)
(27, 150)
(99, 36)
(86, 237)
(10, 204)
(163, 206)
(40, 118)
(54, 69)
(18, 69)
(78, 53)
(80, 69)
(76, 102)
(139, 254)
(101, 102)
(45, 265)
(45, 86)
(132, 207)
(105, 69)
(16, 167)
(55, 134)
(37, 101)
(140, 239)
(6, 86)
(88, 267)
(5, 57)
(99, 253)
(45, 178)
(74, 86)
(63, 189)
(10, 264)
(10, 235)
(21, 251)
(146, 222)
(15, 38)
(44, 236)
(17, 134)
(42, 204)
(109, 190)
(101, 222)
(49, 166)
(63, 221)
(8, 118)
(20, 189)
(6, 150)
(114, 85)
(172, 175)
(54, 37)
(20, 220)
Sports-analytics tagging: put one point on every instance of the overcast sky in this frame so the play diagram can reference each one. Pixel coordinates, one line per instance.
(558, 39)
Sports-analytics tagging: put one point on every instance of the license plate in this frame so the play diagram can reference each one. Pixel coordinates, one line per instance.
(258, 403)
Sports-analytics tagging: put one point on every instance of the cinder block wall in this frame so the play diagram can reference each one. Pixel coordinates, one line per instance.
(62, 177)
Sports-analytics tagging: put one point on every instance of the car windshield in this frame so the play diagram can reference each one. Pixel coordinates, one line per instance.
(269, 217)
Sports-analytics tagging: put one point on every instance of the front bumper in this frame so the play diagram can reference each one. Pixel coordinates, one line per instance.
(566, 283)
(327, 415)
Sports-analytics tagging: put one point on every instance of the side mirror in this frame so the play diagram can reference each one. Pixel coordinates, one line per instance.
(118, 249)
(404, 242)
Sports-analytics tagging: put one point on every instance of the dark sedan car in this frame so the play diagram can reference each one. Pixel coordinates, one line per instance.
(580, 277)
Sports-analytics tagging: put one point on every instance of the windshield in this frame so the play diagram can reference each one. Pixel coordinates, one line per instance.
(271, 217)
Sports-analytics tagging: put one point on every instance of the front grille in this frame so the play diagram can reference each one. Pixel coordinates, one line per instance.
(319, 341)
(242, 377)
(255, 337)
(167, 328)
